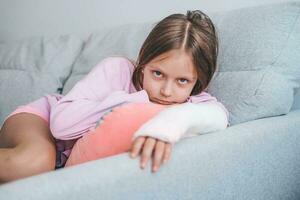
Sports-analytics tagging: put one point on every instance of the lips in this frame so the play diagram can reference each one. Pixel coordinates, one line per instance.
(162, 102)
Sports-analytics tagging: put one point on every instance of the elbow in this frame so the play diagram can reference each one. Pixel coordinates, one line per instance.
(224, 115)
(66, 128)
(214, 118)
(55, 132)
(56, 127)
(59, 126)
(62, 132)
(222, 122)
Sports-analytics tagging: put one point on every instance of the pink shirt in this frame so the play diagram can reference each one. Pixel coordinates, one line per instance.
(107, 85)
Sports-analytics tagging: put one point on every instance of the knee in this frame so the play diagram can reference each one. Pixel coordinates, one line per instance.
(18, 164)
(35, 161)
(42, 160)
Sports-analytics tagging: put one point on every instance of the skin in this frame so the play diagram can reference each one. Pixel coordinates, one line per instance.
(26, 147)
(168, 79)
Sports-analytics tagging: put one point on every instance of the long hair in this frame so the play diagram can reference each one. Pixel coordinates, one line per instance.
(194, 33)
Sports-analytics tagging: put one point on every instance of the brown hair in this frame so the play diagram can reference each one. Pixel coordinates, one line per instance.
(194, 33)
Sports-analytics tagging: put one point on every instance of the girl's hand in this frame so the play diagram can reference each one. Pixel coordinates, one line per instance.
(162, 151)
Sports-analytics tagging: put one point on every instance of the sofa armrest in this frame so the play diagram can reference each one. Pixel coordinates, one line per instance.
(254, 160)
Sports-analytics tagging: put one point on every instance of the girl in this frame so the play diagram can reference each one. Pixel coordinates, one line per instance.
(174, 66)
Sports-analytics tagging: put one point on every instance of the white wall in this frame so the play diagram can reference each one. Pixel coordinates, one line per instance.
(23, 18)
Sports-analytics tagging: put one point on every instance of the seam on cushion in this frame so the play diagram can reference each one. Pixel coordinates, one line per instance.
(6, 67)
(72, 67)
(287, 38)
(261, 81)
(62, 47)
(267, 69)
(34, 67)
(29, 68)
(23, 70)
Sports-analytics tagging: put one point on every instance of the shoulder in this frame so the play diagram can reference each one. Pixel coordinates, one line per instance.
(112, 67)
(117, 71)
(116, 63)
(202, 97)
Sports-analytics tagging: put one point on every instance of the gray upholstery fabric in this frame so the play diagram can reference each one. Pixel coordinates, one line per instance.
(259, 60)
(254, 160)
(33, 67)
(296, 104)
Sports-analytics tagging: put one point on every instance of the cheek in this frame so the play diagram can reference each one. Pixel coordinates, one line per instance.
(183, 94)
(144, 80)
(148, 83)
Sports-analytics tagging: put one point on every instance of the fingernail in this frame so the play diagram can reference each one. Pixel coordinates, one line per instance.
(164, 161)
(155, 168)
(143, 165)
(132, 155)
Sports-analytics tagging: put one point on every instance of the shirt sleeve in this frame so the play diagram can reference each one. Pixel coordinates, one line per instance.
(104, 87)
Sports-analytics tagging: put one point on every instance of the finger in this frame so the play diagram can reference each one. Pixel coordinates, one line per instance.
(158, 155)
(137, 146)
(167, 152)
(147, 151)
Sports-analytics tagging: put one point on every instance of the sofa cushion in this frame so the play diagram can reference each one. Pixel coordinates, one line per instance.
(259, 68)
(32, 67)
(259, 58)
(296, 104)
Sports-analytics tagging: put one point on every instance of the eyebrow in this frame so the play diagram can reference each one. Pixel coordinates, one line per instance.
(185, 77)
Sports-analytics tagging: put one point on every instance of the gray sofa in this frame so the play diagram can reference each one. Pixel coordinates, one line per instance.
(258, 80)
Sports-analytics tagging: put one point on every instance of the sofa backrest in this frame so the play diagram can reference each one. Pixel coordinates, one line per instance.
(33, 67)
(296, 104)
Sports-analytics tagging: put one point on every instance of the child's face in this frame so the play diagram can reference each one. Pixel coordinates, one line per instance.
(170, 77)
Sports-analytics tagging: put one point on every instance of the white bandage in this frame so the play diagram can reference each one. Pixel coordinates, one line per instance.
(184, 120)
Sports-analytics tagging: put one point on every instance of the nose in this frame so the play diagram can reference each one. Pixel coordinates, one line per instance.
(166, 89)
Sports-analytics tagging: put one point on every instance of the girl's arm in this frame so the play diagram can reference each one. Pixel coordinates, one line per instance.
(104, 87)
(186, 120)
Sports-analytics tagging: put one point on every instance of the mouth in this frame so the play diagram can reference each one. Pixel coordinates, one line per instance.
(162, 102)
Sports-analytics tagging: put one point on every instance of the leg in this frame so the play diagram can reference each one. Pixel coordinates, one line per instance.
(26, 147)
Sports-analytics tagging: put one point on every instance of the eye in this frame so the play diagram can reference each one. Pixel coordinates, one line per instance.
(183, 81)
(157, 74)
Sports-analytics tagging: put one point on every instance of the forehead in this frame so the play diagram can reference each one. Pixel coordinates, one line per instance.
(175, 63)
